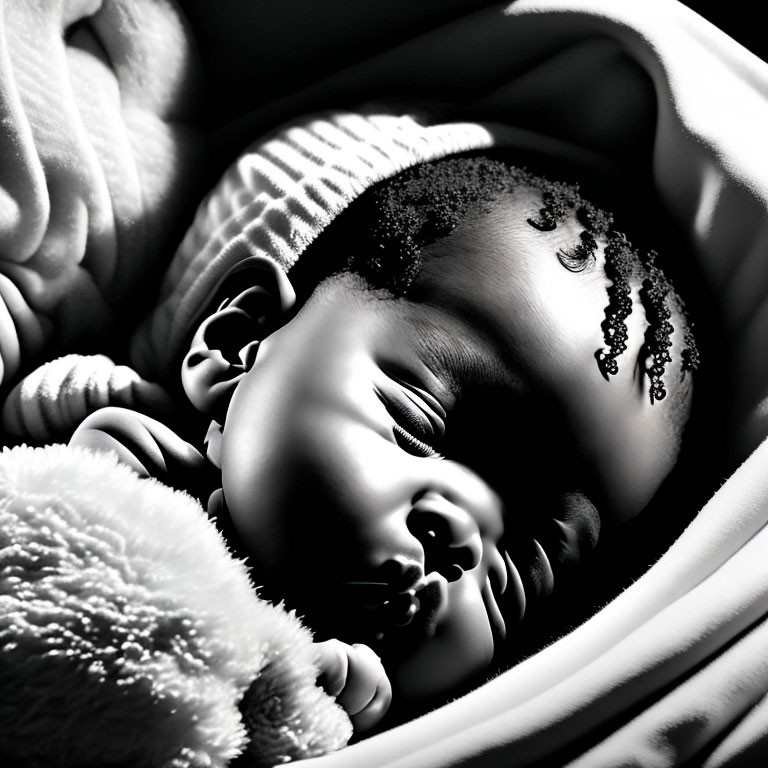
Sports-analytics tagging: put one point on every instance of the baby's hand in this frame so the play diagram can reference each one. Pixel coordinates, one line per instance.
(355, 676)
(142, 443)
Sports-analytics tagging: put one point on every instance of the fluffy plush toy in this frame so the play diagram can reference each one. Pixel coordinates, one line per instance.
(129, 635)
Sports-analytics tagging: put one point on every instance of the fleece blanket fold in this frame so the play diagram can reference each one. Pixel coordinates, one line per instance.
(100, 151)
(673, 670)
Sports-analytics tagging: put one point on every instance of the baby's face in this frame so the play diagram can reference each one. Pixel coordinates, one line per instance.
(413, 473)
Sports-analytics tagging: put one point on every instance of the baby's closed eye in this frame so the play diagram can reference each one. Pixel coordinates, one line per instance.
(418, 419)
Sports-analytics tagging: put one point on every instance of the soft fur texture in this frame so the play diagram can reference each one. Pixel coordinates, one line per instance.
(129, 635)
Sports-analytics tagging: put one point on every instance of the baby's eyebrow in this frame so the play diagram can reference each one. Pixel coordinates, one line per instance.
(456, 360)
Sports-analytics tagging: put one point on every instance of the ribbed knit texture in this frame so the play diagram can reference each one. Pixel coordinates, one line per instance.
(276, 199)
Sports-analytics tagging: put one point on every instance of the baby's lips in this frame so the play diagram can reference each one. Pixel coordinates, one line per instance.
(394, 577)
(400, 608)
(400, 575)
(412, 613)
(389, 606)
(404, 616)
(419, 609)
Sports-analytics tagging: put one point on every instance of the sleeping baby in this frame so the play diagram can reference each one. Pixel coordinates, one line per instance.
(426, 424)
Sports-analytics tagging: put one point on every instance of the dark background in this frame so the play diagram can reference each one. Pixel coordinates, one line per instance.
(733, 18)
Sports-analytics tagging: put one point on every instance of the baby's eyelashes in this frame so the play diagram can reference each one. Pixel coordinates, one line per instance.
(418, 419)
(412, 444)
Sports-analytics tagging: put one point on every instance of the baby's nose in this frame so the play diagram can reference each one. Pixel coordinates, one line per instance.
(449, 535)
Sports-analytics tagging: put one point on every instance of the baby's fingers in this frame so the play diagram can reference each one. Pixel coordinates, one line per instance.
(368, 692)
(142, 443)
(355, 675)
(376, 708)
(334, 665)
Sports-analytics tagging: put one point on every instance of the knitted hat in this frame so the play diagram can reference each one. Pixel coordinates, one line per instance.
(276, 199)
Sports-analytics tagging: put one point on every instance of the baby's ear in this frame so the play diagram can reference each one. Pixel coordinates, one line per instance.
(254, 299)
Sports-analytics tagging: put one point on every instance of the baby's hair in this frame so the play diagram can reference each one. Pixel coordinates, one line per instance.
(382, 236)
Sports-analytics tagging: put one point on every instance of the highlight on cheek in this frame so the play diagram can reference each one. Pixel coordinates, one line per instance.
(493, 609)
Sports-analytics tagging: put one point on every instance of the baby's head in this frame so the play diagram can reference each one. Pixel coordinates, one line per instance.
(481, 375)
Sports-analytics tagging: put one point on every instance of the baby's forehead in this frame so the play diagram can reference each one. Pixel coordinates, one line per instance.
(504, 240)
(497, 267)
(517, 290)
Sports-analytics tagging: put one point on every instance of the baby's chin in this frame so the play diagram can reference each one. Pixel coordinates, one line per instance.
(454, 656)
